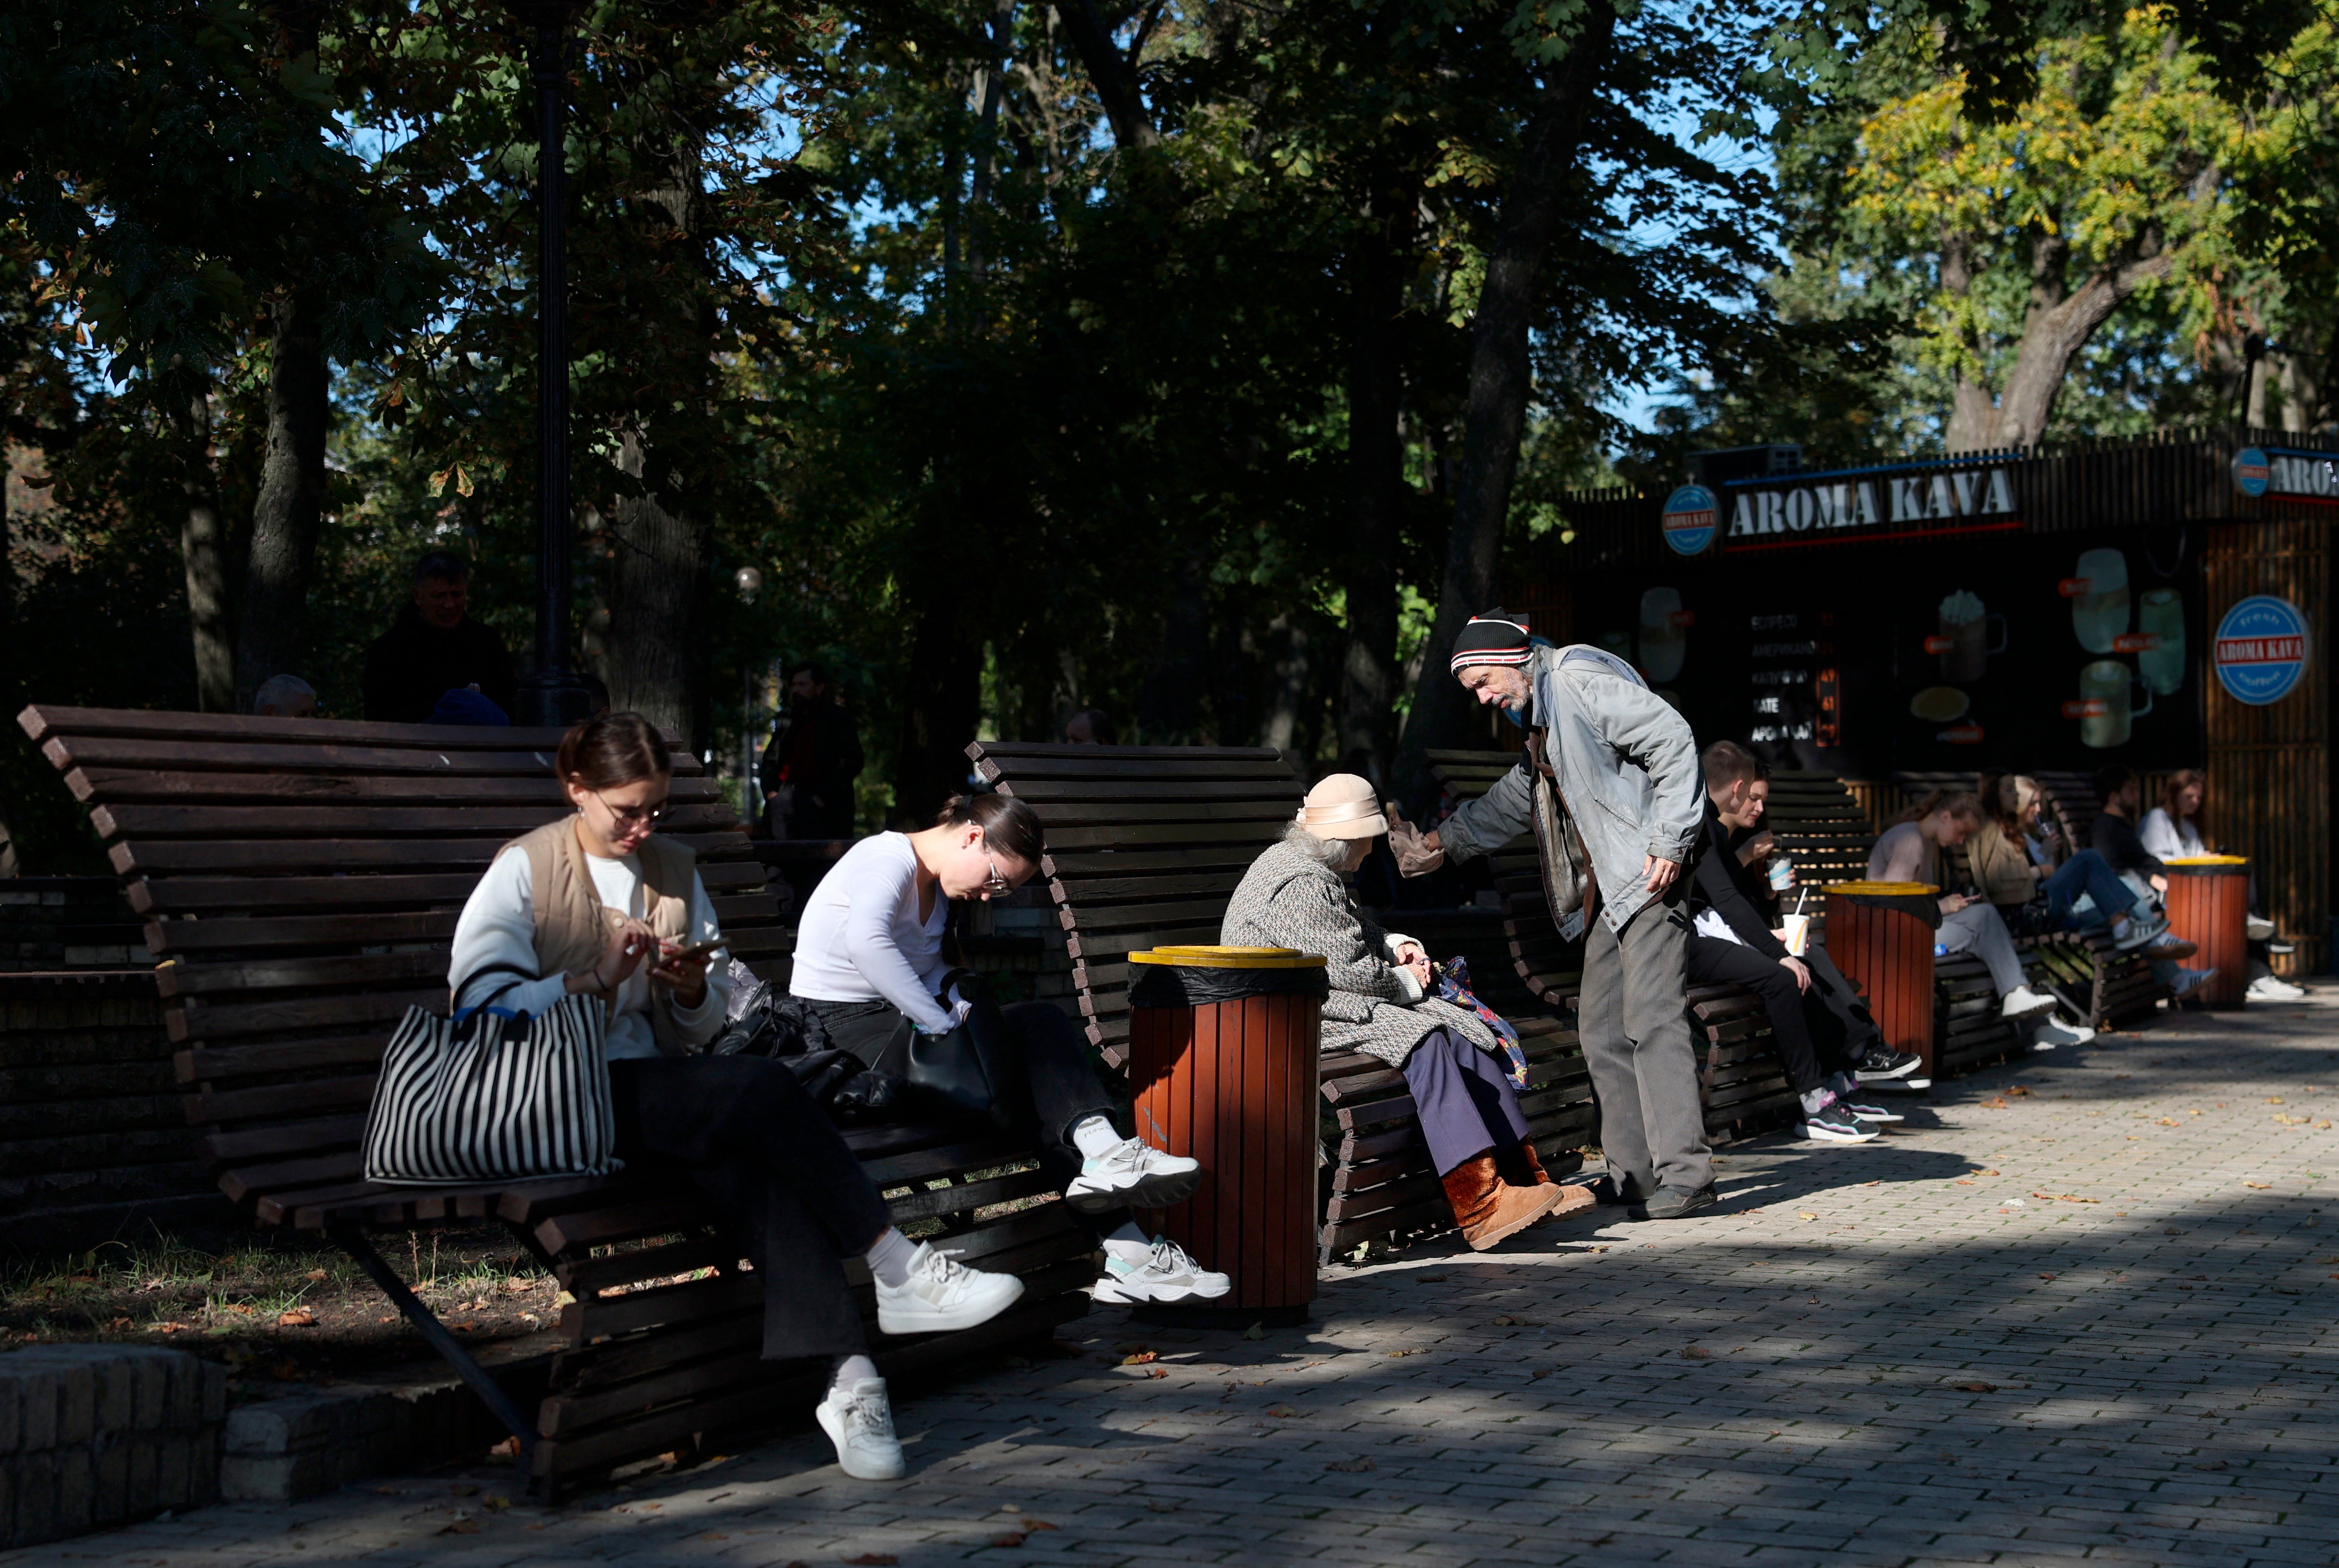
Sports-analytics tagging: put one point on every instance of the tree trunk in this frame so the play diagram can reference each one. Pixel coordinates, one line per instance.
(1501, 379)
(660, 541)
(1368, 721)
(942, 706)
(285, 516)
(1114, 78)
(203, 550)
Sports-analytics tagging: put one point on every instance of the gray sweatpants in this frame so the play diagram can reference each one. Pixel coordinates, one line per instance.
(1632, 1021)
(1980, 929)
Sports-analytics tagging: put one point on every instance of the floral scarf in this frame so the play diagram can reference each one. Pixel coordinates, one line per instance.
(1454, 986)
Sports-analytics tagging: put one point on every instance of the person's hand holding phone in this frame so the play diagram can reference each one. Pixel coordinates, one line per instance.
(682, 968)
(628, 944)
(1952, 902)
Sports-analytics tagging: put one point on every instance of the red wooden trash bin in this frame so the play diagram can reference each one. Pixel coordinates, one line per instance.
(1222, 1047)
(1880, 934)
(2209, 906)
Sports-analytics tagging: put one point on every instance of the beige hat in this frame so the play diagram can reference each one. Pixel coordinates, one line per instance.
(1343, 806)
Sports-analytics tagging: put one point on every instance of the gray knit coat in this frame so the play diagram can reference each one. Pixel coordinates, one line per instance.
(1289, 899)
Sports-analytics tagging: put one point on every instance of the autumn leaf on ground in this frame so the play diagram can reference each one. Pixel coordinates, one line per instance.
(298, 1317)
(1357, 1464)
(2258, 1186)
(1010, 1538)
(1157, 1372)
(1143, 1358)
(1696, 1353)
(1978, 1387)
(1256, 1331)
(2017, 1089)
(1803, 1216)
(462, 1525)
(1994, 1103)
(1395, 1354)
(1281, 1411)
(1037, 1525)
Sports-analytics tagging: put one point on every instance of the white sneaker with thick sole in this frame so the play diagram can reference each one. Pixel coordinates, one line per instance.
(860, 1421)
(2024, 1002)
(2272, 987)
(1168, 1274)
(2260, 929)
(2053, 1031)
(942, 1294)
(1133, 1174)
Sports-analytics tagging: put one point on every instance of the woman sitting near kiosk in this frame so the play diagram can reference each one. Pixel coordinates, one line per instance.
(1296, 894)
(1910, 851)
(869, 966)
(596, 902)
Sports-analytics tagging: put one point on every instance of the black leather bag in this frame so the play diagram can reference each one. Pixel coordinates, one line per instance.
(976, 1070)
(777, 1026)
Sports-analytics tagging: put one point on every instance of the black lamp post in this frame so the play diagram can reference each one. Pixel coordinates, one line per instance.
(554, 695)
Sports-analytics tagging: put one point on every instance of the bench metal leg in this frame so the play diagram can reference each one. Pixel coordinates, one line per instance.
(451, 1350)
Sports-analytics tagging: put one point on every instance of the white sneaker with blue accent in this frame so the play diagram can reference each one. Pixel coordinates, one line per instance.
(1168, 1274)
(1132, 1174)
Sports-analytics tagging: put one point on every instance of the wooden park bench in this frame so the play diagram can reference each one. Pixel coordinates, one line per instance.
(1145, 846)
(301, 879)
(1742, 1083)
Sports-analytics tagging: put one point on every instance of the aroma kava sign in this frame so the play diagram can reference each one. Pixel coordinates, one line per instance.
(1872, 503)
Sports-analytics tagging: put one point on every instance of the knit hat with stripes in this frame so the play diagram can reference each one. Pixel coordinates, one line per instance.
(1493, 638)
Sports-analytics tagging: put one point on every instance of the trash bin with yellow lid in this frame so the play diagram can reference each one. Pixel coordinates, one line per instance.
(1222, 1066)
(1880, 934)
(2208, 903)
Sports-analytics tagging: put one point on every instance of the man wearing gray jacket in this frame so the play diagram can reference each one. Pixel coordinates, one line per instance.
(1610, 783)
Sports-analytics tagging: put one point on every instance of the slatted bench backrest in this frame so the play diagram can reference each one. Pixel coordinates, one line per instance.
(1145, 845)
(301, 879)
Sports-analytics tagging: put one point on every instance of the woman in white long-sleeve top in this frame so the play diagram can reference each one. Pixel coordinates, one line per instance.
(596, 902)
(869, 965)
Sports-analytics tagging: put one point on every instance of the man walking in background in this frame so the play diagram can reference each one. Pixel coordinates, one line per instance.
(1611, 784)
(435, 647)
(808, 769)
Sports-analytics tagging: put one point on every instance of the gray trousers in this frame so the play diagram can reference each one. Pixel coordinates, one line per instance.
(1634, 1025)
(1980, 929)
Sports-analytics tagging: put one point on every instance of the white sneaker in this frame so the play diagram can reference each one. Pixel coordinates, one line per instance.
(942, 1294)
(2189, 981)
(2272, 987)
(2260, 928)
(2024, 1002)
(859, 1422)
(1133, 1174)
(2053, 1031)
(1168, 1274)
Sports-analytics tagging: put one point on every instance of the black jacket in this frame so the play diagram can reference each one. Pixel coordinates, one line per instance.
(818, 751)
(409, 667)
(2114, 838)
(1729, 889)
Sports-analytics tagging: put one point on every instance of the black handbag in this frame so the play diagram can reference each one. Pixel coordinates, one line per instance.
(974, 1071)
(775, 1025)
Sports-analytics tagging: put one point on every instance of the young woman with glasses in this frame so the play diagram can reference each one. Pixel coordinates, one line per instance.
(869, 966)
(596, 901)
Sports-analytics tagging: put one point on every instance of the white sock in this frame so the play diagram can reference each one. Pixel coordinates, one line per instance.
(889, 1260)
(852, 1369)
(1094, 1136)
(1130, 1244)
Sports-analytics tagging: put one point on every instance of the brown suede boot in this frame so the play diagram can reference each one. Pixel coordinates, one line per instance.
(1489, 1209)
(1572, 1200)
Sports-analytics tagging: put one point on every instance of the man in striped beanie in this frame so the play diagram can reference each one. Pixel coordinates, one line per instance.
(1609, 782)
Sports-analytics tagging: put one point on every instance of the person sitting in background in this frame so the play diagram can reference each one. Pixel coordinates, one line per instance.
(284, 697)
(869, 965)
(1910, 851)
(808, 769)
(2114, 837)
(595, 902)
(1089, 727)
(435, 647)
(1728, 942)
(1383, 1004)
(2177, 828)
(2035, 898)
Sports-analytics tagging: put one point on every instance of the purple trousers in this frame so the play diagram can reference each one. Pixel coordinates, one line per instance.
(1467, 1107)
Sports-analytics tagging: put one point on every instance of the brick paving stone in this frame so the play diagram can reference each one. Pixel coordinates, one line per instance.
(2159, 1365)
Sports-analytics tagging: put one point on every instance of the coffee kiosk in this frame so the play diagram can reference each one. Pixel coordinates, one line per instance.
(2158, 603)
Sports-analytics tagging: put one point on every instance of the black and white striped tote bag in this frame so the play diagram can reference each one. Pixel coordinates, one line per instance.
(489, 1097)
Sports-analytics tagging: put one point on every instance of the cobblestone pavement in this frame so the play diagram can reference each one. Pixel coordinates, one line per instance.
(2081, 1308)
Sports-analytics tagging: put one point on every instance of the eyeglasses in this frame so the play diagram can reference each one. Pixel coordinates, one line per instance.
(998, 884)
(627, 816)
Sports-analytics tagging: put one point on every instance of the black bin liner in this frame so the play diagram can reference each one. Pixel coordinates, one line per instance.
(1179, 985)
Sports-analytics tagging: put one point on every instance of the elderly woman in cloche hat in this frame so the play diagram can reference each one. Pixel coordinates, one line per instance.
(1383, 1004)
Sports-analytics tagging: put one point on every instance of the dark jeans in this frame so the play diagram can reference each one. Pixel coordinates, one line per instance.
(1062, 1088)
(2090, 874)
(1468, 1108)
(1812, 1040)
(775, 1167)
